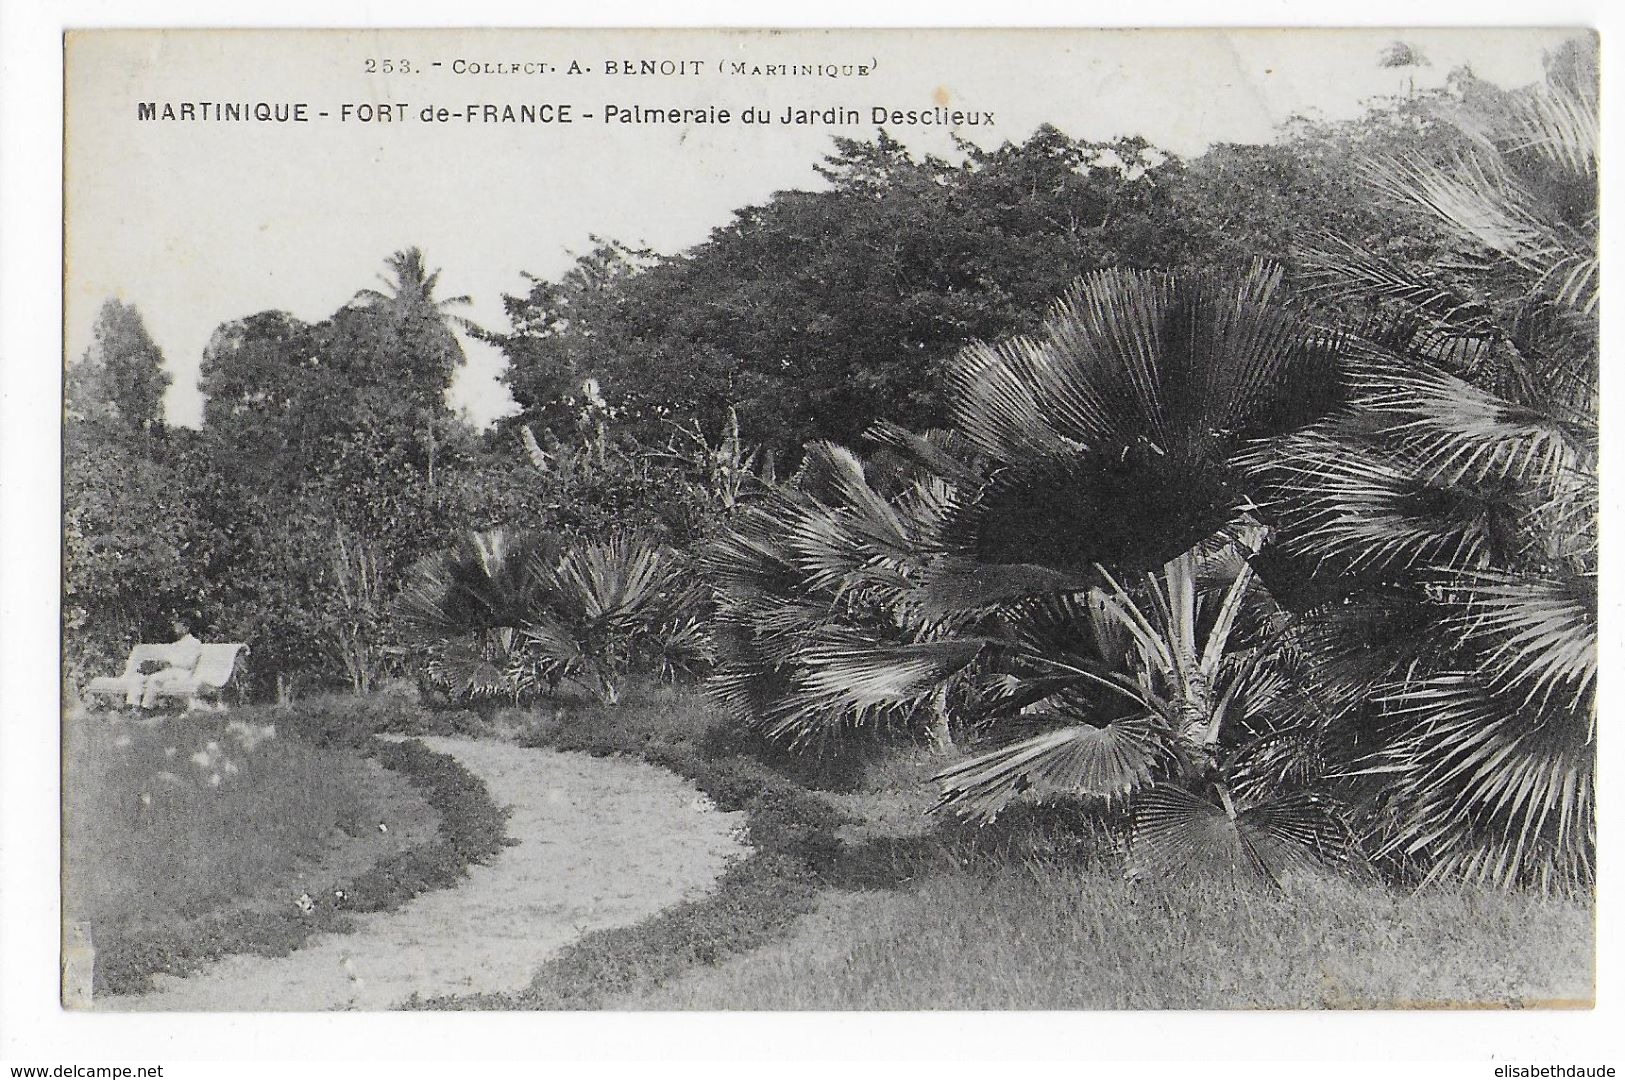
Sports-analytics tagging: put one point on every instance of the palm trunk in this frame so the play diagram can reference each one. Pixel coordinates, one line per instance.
(942, 737)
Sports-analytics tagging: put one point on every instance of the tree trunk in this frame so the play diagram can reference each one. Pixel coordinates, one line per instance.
(942, 737)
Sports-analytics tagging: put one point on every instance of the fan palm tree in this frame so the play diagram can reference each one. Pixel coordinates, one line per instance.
(818, 623)
(1457, 495)
(1146, 685)
(609, 607)
(1164, 701)
(1109, 437)
(506, 614)
(1105, 445)
(465, 607)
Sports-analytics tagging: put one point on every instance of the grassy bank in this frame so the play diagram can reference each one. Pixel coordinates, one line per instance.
(189, 838)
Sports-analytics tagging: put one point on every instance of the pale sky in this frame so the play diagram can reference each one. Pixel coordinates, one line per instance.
(198, 223)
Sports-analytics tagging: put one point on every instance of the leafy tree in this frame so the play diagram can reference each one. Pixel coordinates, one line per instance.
(121, 376)
(602, 479)
(324, 443)
(133, 543)
(819, 312)
(560, 332)
(1272, 201)
(269, 396)
(134, 550)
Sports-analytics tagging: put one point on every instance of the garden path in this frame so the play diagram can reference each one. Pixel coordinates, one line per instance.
(601, 842)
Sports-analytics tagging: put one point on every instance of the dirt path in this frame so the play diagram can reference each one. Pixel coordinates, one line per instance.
(602, 842)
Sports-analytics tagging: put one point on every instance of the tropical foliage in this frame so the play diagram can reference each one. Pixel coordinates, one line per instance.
(819, 625)
(1455, 501)
(514, 615)
(1286, 566)
(978, 566)
(1400, 648)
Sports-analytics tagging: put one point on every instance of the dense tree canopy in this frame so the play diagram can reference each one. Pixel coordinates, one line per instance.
(821, 311)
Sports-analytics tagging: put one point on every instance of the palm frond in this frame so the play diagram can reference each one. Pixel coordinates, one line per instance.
(1000, 405)
(1177, 832)
(1344, 502)
(485, 580)
(954, 586)
(834, 476)
(1108, 435)
(1456, 431)
(620, 577)
(609, 605)
(1559, 121)
(1488, 783)
(845, 677)
(1476, 196)
(1525, 190)
(748, 562)
(1107, 761)
(1340, 270)
(945, 454)
(1537, 635)
(478, 666)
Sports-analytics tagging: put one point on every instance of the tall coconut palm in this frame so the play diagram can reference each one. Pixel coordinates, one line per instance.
(424, 323)
(1457, 494)
(409, 289)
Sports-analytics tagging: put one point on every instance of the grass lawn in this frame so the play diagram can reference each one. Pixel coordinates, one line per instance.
(179, 828)
(857, 900)
(1024, 938)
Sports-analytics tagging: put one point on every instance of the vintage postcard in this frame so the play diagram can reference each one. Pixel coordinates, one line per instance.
(747, 520)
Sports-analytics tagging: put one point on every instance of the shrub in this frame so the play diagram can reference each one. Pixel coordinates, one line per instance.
(513, 615)
(342, 720)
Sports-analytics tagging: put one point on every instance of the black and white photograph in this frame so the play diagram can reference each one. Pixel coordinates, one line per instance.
(742, 521)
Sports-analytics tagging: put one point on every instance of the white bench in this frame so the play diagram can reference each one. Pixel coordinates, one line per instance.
(213, 670)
